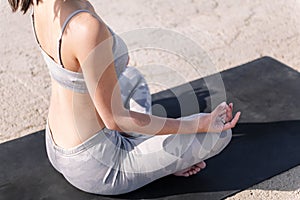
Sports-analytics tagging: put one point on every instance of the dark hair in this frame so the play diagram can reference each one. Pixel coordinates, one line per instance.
(23, 4)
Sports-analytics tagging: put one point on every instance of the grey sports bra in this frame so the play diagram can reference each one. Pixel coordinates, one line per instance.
(75, 80)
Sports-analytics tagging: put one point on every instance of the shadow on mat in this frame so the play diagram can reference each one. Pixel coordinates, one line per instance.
(181, 104)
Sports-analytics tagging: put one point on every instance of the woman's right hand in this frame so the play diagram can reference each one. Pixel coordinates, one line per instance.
(220, 119)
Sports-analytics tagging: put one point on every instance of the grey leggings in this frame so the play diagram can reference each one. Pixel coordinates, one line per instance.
(109, 163)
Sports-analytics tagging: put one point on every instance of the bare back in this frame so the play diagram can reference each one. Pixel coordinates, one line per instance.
(72, 117)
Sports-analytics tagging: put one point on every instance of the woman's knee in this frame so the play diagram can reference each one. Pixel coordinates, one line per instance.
(135, 91)
(212, 144)
(226, 136)
(132, 74)
(224, 139)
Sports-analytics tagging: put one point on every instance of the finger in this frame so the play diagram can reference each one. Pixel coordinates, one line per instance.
(228, 107)
(228, 115)
(223, 115)
(223, 112)
(235, 119)
(233, 122)
(229, 112)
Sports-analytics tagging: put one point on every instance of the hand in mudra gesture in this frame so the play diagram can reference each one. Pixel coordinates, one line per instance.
(221, 118)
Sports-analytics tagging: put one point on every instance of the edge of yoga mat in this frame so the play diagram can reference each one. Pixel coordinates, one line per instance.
(43, 190)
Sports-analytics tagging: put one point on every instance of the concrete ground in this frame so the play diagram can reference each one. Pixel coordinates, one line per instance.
(228, 33)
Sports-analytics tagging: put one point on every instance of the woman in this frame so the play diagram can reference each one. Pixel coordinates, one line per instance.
(100, 133)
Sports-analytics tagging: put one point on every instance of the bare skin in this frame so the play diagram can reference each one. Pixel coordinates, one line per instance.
(83, 115)
(191, 170)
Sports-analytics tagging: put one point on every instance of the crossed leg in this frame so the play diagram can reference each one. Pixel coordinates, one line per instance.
(136, 96)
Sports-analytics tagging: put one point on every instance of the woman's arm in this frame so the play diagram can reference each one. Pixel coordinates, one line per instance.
(94, 52)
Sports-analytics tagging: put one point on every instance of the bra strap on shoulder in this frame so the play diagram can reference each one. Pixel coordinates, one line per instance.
(63, 29)
(33, 27)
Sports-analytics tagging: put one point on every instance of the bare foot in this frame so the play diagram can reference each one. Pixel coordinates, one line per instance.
(191, 170)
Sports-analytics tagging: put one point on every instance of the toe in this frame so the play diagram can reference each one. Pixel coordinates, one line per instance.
(197, 169)
(202, 165)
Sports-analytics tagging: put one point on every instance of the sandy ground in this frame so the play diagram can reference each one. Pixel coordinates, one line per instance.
(228, 33)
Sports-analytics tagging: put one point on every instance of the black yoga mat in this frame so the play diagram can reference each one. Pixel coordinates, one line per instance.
(265, 142)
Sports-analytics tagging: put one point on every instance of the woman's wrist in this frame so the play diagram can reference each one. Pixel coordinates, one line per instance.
(199, 122)
(204, 122)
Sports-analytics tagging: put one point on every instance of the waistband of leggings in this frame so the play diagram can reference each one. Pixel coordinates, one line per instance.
(95, 139)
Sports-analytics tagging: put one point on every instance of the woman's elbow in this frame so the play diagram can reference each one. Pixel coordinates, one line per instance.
(114, 123)
(116, 120)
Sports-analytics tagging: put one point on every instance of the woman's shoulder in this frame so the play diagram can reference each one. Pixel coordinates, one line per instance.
(88, 27)
(81, 16)
(87, 31)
